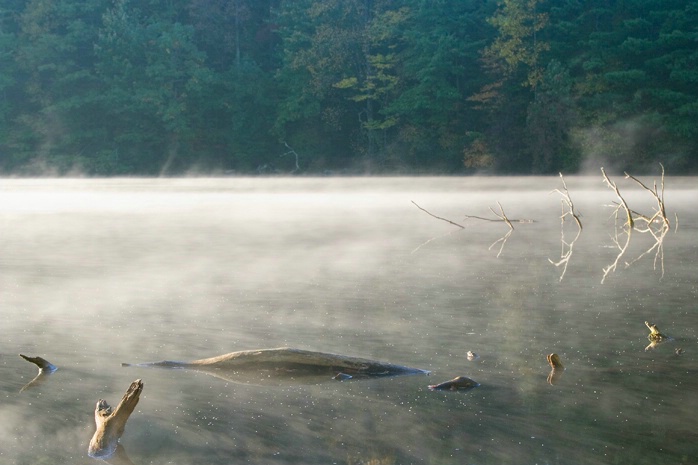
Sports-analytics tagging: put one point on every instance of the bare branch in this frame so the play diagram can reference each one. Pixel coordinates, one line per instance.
(621, 251)
(566, 247)
(567, 201)
(657, 224)
(661, 211)
(437, 217)
(501, 217)
(613, 186)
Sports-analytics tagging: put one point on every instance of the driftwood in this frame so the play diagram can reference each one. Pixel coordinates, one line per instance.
(657, 224)
(284, 365)
(556, 368)
(501, 217)
(568, 210)
(45, 369)
(111, 423)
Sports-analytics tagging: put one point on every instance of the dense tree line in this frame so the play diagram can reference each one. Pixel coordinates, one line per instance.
(115, 87)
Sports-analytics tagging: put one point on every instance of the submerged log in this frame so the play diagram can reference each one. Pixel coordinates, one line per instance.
(111, 423)
(287, 365)
(45, 369)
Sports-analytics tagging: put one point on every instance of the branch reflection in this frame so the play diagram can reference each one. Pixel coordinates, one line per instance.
(567, 210)
(657, 224)
(556, 369)
(501, 217)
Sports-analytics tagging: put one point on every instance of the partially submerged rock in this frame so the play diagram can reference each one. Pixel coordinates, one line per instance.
(287, 365)
(111, 423)
(456, 384)
(45, 369)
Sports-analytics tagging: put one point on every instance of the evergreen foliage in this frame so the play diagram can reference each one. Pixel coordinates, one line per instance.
(154, 87)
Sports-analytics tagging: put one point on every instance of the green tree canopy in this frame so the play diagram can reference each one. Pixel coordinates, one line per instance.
(114, 87)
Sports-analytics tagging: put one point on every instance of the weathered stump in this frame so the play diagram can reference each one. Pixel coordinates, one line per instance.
(111, 423)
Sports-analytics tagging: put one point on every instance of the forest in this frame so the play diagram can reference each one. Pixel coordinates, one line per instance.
(172, 87)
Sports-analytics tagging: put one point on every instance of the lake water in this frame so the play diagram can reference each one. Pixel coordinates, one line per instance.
(98, 272)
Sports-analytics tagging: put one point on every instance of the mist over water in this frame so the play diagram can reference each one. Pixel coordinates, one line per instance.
(98, 272)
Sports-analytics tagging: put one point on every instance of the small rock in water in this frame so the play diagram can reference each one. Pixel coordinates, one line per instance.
(457, 383)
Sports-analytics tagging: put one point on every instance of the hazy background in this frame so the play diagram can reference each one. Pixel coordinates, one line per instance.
(98, 272)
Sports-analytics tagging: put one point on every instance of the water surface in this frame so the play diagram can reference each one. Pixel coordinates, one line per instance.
(99, 272)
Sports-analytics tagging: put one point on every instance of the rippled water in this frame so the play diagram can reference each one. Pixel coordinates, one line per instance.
(98, 272)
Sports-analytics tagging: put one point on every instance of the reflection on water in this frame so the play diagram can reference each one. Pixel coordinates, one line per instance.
(99, 272)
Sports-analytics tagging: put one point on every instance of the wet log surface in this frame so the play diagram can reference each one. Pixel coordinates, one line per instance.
(110, 422)
(288, 365)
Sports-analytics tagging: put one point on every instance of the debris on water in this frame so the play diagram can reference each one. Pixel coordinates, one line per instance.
(456, 384)
(556, 368)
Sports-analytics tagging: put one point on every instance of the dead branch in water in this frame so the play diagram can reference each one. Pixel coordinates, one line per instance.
(501, 217)
(657, 224)
(628, 213)
(437, 217)
(567, 210)
(659, 215)
(460, 226)
(504, 238)
(627, 226)
(567, 202)
(45, 369)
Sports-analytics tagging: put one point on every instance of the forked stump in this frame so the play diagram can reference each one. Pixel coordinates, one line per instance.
(111, 424)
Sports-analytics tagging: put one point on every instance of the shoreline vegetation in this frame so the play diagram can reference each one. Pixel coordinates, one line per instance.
(346, 88)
